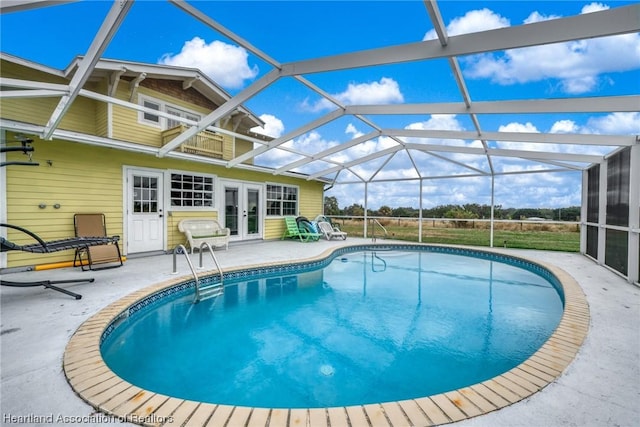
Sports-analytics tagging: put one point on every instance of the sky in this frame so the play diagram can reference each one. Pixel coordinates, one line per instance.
(159, 33)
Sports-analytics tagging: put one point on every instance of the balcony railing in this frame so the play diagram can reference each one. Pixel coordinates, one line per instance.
(204, 143)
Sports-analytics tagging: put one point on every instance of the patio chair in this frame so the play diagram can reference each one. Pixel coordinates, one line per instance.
(323, 218)
(293, 231)
(330, 232)
(42, 247)
(107, 255)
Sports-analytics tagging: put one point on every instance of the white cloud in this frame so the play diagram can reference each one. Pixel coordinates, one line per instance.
(565, 126)
(309, 143)
(385, 91)
(226, 64)
(578, 66)
(616, 124)
(353, 131)
(594, 7)
(610, 124)
(273, 126)
(535, 16)
(438, 121)
(472, 22)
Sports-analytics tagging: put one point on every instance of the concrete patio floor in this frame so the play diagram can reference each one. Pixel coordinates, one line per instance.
(601, 387)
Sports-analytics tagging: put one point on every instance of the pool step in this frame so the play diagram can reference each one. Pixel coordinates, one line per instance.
(211, 291)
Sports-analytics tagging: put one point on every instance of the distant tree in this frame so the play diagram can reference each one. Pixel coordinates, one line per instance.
(331, 206)
(571, 213)
(405, 212)
(354, 210)
(460, 212)
(385, 211)
(525, 213)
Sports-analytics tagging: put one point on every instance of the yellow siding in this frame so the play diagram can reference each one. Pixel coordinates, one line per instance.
(242, 147)
(126, 126)
(91, 117)
(84, 179)
(227, 147)
(79, 118)
(36, 111)
(28, 110)
(310, 206)
(102, 116)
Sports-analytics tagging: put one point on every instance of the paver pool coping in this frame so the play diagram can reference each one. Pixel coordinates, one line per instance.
(94, 382)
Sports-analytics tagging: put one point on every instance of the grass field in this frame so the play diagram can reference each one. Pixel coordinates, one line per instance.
(512, 234)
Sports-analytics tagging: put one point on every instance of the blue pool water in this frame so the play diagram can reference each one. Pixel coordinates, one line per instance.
(368, 327)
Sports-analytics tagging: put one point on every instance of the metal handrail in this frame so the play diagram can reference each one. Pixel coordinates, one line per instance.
(373, 230)
(213, 257)
(215, 261)
(186, 255)
(373, 266)
(198, 295)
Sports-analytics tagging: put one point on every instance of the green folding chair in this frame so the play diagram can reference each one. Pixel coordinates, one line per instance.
(292, 231)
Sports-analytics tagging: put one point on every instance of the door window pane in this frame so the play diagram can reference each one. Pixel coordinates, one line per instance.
(145, 194)
(231, 210)
(253, 211)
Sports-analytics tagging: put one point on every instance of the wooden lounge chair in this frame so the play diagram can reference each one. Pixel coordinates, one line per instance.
(330, 231)
(106, 255)
(292, 231)
(42, 247)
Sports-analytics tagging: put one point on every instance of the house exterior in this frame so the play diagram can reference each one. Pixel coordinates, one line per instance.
(103, 156)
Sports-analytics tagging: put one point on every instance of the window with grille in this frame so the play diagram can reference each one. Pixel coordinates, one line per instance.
(192, 191)
(179, 113)
(163, 122)
(282, 200)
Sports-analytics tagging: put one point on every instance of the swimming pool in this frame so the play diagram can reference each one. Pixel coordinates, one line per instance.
(419, 296)
(370, 326)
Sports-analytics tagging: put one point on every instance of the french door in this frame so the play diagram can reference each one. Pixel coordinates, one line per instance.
(243, 209)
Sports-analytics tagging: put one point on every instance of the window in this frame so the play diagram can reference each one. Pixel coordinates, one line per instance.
(163, 122)
(148, 117)
(145, 194)
(282, 200)
(191, 191)
(179, 113)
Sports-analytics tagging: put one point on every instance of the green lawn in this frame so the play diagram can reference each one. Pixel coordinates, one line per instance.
(566, 239)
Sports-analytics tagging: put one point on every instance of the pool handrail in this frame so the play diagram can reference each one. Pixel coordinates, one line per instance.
(373, 229)
(199, 294)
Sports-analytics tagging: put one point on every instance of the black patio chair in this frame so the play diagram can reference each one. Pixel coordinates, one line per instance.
(42, 247)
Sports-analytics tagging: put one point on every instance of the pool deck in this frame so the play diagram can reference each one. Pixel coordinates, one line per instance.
(600, 387)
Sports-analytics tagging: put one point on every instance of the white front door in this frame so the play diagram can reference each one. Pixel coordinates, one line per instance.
(243, 209)
(145, 219)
